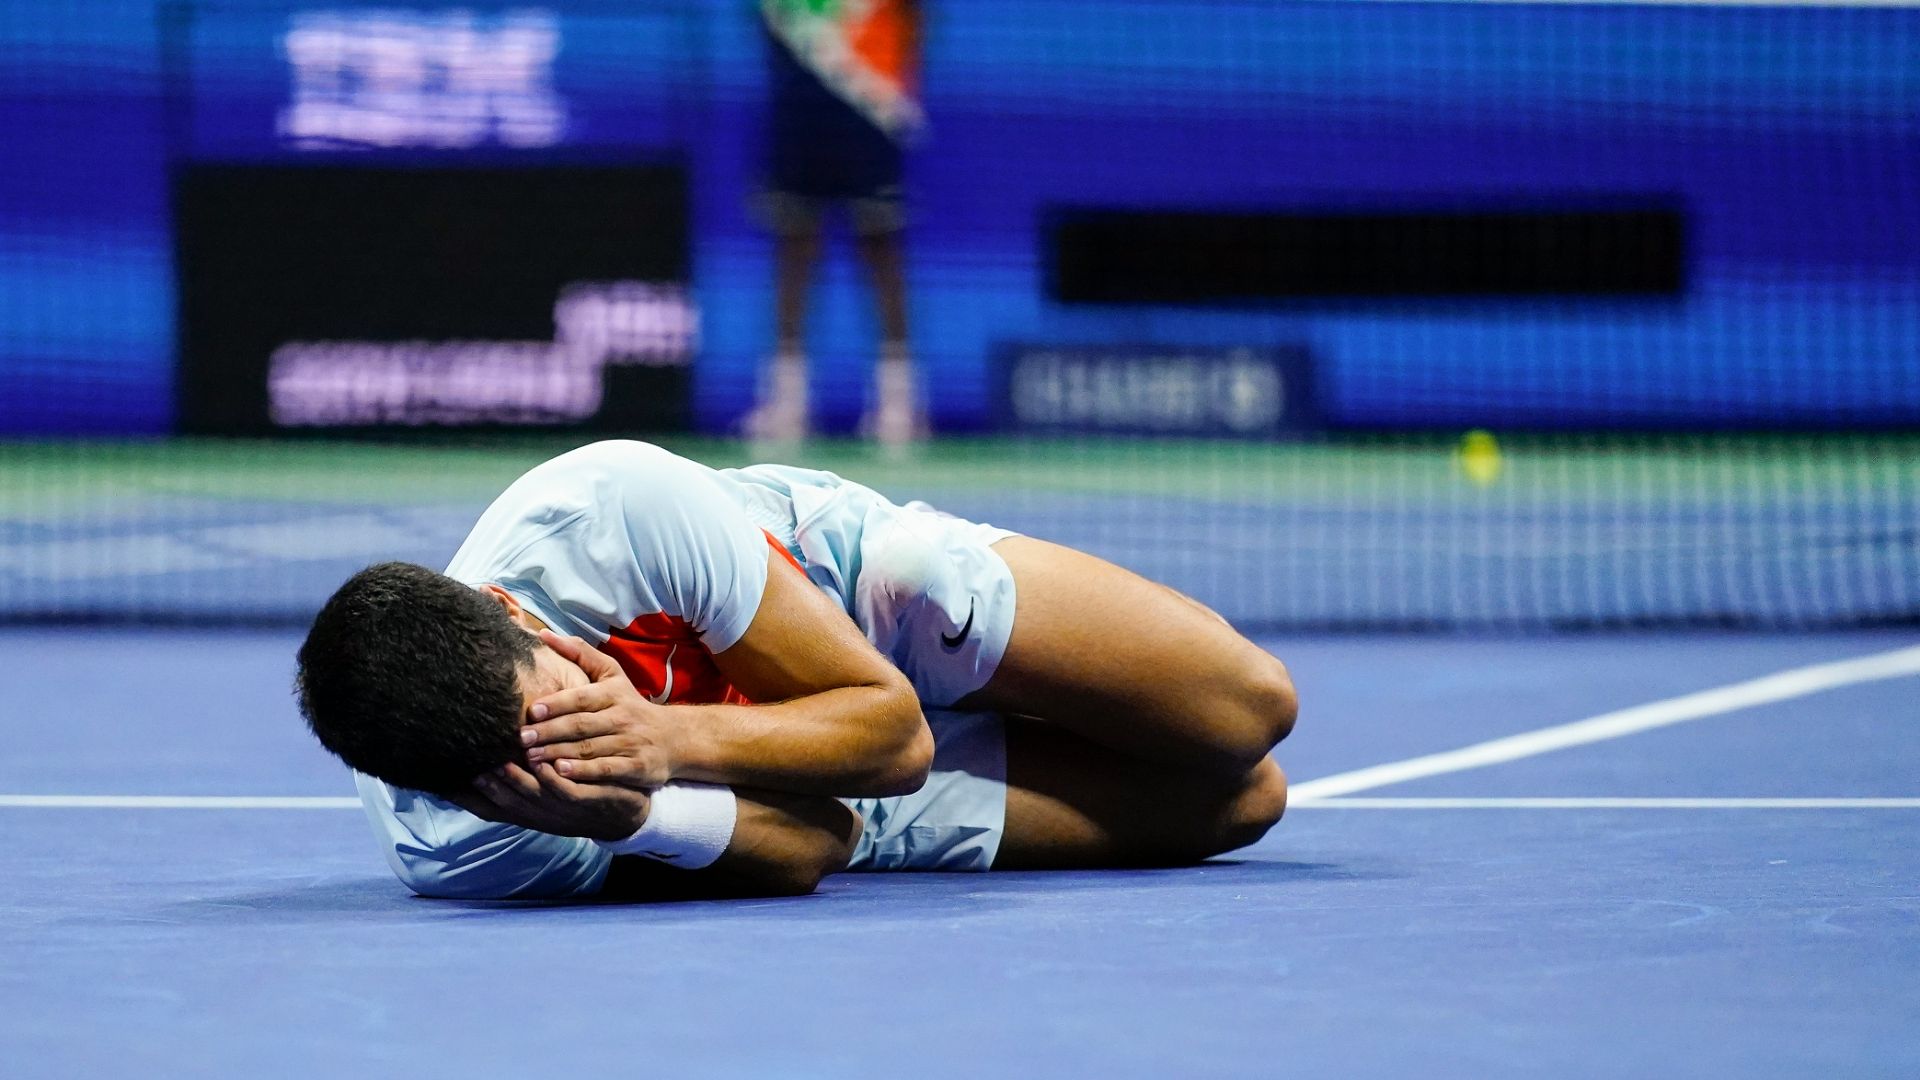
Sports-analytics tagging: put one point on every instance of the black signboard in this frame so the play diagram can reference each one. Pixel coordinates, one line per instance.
(380, 297)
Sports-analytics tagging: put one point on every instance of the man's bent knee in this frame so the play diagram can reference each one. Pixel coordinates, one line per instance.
(1279, 703)
(1264, 707)
(1258, 808)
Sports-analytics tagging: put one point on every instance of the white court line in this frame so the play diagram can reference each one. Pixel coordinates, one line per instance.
(181, 802)
(1780, 686)
(329, 802)
(1605, 803)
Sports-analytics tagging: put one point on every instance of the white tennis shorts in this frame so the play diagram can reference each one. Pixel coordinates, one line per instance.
(928, 590)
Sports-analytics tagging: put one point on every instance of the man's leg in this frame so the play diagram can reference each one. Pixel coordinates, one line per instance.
(883, 253)
(782, 414)
(897, 416)
(1075, 804)
(796, 251)
(1135, 667)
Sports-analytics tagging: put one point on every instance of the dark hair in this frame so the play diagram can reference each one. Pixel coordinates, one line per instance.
(411, 676)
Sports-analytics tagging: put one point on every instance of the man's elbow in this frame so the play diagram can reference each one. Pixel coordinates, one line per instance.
(834, 839)
(793, 881)
(909, 761)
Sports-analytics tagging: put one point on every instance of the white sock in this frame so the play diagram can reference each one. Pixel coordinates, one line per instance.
(781, 413)
(893, 381)
(787, 382)
(896, 417)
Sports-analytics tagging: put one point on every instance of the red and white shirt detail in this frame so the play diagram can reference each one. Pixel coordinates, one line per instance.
(665, 660)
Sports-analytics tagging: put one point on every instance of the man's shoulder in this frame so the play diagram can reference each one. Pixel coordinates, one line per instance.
(583, 479)
(590, 499)
(549, 502)
(616, 456)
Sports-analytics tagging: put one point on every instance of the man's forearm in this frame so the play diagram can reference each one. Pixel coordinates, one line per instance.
(782, 846)
(856, 741)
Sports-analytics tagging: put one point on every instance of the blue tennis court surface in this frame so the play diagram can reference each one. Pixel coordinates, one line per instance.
(1385, 941)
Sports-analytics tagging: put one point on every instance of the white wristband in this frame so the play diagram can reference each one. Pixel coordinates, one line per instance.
(688, 826)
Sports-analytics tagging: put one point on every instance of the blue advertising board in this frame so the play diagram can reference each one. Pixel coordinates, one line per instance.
(1780, 136)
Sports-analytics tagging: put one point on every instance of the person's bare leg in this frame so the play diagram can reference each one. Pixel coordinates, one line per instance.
(885, 259)
(796, 252)
(1074, 804)
(1134, 666)
(782, 414)
(896, 417)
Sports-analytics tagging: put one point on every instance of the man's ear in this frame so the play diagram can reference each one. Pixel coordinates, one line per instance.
(505, 599)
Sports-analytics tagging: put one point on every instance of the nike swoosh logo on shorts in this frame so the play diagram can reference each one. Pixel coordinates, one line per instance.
(954, 641)
(667, 690)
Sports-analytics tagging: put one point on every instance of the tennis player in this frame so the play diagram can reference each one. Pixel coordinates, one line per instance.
(641, 677)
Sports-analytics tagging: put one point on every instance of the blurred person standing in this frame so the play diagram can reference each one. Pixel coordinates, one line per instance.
(842, 106)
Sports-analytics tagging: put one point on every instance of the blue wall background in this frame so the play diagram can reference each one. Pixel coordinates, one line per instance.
(1791, 134)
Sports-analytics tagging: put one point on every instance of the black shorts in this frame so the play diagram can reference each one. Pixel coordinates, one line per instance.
(821, 150)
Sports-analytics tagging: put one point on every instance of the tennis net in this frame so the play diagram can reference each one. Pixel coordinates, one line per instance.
(1532, 533)
(1329, 313)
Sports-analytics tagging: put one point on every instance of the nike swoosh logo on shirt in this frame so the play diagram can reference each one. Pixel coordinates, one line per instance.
(667, 690)
(954, 641)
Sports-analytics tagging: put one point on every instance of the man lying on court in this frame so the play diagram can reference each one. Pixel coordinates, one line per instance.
(641, 677)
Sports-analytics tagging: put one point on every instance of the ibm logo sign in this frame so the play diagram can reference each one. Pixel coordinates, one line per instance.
(438, 80)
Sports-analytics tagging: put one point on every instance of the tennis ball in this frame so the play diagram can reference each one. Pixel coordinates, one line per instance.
(1479, 458)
